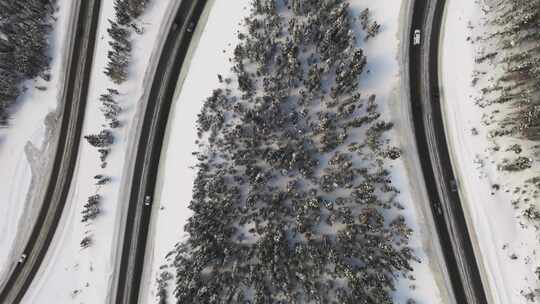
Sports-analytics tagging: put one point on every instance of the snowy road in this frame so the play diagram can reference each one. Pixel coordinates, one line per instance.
(446, 206)
(149, 150)
(71, 122)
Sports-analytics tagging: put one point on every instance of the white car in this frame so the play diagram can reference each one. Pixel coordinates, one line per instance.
(190, 27)
(416, 38)
(22, 258)
(147, 200)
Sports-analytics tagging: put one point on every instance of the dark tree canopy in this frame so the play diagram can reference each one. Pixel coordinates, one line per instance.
(24, 29)
(292, 202)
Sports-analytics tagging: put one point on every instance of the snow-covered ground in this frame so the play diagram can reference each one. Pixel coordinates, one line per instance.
(19, 174)
(70, 274)
(176, 175)
(507, 249)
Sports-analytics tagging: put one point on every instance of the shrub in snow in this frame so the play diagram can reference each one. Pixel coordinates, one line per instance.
(127, 10)
(86, 242)
(392, 153)
(531, 213)
(90, 213)
(110, 107)
(102, 180)
(103, 139)
(365, 17)
(120, 54)
(516, 164)
(103, 153)
(372, 28)
(91, 208)
(162, 284)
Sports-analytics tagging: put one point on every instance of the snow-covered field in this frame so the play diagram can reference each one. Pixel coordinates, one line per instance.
(70, 274)
(176, 175)
(27, 131)
(507, 247)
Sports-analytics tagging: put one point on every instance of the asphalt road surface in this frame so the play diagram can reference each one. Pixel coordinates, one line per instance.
(74, 104)
(436, 165)
(149, 150)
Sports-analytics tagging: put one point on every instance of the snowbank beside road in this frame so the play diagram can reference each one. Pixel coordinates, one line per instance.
(507, 251)
(70, 274)
(27, 128)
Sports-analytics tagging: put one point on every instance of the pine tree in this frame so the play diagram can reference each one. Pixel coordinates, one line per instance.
(24, 27)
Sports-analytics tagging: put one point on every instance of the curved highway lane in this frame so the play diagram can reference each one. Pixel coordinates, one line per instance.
(149, 150)
(72, 117)
(436, 166)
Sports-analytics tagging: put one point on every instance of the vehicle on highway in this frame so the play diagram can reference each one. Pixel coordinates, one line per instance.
(190, 27)
(416, 38)
(147, 200)
(438, 208)
(22, 258)
(453, 186)
(436, 94)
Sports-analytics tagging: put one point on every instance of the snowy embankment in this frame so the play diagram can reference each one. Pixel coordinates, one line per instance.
(70, 274)
(506, 243)
(176, 173)
(28, 144)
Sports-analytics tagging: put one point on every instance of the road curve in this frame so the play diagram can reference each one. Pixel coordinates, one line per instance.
(73, 100)
(431, 141)
(148, 152)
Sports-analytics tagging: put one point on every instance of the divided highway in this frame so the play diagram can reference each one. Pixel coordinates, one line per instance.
(74, 103)
(436, 166)
(126, 289)
(430, 136)
(428, 123)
